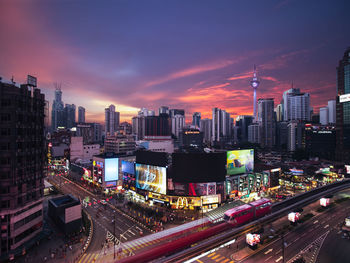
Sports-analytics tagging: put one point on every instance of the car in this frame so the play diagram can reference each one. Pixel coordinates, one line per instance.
(103, 202)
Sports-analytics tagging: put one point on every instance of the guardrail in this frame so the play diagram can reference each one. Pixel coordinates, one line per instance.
(280, 210)
(88, 240)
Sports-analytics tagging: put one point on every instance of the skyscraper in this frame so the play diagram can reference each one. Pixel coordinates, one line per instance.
(266, 122)
(206, 128)
(22, 159)
(242, 122)
(220, 126)
(343, 108)
(81, 114)
(332, 111)
(254, 83)
(177, 124)
(163, 110)
(196, 119)
(296, 105)
(69, 113)
(57, 112)
(324, 115)
(111, 120)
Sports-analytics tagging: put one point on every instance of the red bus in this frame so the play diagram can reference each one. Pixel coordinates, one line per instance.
(242, 214)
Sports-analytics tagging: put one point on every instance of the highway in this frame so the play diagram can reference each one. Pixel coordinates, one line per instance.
(312, 240)
(103, 220)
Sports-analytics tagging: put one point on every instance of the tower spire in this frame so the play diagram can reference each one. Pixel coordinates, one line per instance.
(254, 83)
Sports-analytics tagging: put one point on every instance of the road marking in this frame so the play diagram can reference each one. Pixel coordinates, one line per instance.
(268, 258)
(225, 260)
(326, 226)
(219, 259)
(268, 251)
(278, 259)
(315, 221)
(278, 251)
(215, 257)
(212, 254)
(132, 232)
(199, 261)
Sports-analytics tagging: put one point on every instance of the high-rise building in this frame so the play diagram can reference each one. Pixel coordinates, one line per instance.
(254, 133)
(120, 144)
(279, 112)
(324, 115)
(266, 122)
(296, 136)
(97, 127)
(173, 112)
(157, 127)
(81, 114)
(343, 108)
(206, 128)
(177, 124)
(112, 119)
(254, 83)
(220, 126)
(69, 113)
(22, 159)
(243, 122)
(138, 123)
(57, 112)
(163, 110)
(282, 134)
(332, 111)
(296, 105)
(196, 119)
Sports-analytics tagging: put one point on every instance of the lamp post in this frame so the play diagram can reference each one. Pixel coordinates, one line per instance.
(120, 237)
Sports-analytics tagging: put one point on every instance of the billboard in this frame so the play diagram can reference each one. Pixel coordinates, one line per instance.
(128, 167)
(111, 169)
(240, 161)
(200, 189)
(344, 98)
(198, 167)
(151, 178)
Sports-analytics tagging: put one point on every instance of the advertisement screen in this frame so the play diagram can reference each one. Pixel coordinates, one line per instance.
(240, 161)
(151, 178)
(128, 167)
(200, 189)
(347, 167)
(111, 169)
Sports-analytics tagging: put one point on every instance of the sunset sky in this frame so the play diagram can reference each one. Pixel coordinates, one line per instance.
(190, 54)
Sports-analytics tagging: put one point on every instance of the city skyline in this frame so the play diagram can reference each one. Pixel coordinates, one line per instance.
(151, 58)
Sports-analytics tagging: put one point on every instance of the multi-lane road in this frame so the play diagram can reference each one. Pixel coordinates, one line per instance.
(123, 229)
(320, 238)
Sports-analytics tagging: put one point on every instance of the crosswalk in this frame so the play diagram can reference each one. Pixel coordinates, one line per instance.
(216, 257)
(89, 258)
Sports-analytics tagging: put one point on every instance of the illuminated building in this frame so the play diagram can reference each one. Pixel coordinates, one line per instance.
(57, 112)
(343, 107)
(254, 83)
(191, 138)
(105, 171)
(22, 159)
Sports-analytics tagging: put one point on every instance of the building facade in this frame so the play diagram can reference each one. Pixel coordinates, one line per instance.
(81, 114)
(22, 159)
(221, 128)
(206, 128)
(123, 144)
(343, 108)
(266, 122)
(196, 119)
(57, 112)
(112, 119)
(177, 124)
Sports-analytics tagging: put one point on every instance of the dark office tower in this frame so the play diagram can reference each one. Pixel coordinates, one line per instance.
(174, 112)
(81, 114)
(57, 113)
(163, 110)
(343, 108)
(157, 127)
(242, 122)
(266, 122)
(22, 161)
(69, 112)
(220, 126)
(196, 119)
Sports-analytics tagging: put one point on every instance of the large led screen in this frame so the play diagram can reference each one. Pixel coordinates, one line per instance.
(128, 167)
(111, 169)
(151, 178)
(240, 161)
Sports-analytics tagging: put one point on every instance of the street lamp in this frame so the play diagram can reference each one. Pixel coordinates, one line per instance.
(120, 236)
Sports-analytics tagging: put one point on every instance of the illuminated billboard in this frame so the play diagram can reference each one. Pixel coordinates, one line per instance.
(128, 167)
(111, 169)
(200, 189)
(151, 178)
(344, 98)
(240, 161)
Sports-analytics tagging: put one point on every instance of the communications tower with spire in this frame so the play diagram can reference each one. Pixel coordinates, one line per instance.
(254, 83)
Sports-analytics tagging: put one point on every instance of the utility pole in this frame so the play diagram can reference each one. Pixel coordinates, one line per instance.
(114, 235)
